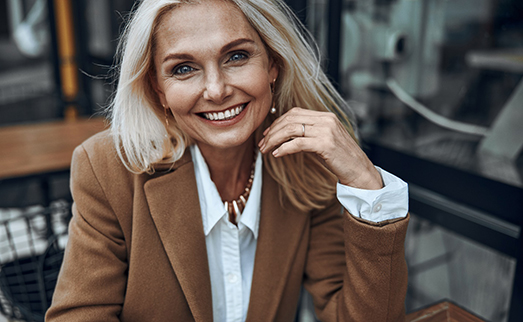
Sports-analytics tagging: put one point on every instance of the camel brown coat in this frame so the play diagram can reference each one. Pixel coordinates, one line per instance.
(136, 251)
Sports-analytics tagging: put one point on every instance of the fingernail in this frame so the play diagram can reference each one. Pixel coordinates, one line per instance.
(261, 142)
(266, 130)
(275, 152)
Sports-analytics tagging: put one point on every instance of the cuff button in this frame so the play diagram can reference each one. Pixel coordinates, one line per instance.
(377, 207)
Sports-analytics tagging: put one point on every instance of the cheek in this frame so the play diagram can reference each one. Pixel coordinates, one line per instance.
(181, 98)
(259, 88)
(265, 97)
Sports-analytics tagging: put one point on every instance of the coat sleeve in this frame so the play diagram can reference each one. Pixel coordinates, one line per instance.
(356, 269)
(91, 283)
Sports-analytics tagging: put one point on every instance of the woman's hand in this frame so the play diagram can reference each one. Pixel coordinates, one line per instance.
(301, 130)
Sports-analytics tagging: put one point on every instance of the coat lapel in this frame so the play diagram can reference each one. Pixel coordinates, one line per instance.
(175, 209)
(280, 232)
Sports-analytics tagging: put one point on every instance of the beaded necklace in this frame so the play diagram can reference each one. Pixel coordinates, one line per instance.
(237, 206)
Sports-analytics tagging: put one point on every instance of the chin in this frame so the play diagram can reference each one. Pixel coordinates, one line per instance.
(230, 141)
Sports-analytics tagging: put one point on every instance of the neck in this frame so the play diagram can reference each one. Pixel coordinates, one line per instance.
(230, 168)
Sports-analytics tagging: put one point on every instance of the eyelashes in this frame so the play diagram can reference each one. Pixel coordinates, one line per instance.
(182, 70)
(235, 58)
(238, 56)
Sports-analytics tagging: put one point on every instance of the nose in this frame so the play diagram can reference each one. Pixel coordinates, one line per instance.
(216, 89)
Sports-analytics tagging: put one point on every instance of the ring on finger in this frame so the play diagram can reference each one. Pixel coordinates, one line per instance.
(302, 129)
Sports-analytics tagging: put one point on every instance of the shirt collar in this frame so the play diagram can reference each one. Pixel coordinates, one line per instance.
(211, 204)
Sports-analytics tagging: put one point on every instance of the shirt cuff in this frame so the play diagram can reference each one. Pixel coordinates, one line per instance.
(389, 202)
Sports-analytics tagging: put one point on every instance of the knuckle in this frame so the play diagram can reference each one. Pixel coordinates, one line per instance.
(332, 119)
(290, 129)
(295, 110)
(298, 128)
(330, 146)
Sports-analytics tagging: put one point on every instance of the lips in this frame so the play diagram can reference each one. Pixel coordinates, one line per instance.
(224, 115)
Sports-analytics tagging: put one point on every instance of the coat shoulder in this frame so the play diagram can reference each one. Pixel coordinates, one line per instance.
(96, 163)
(100, 150)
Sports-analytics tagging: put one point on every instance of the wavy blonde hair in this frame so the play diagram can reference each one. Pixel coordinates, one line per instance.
(137, 115)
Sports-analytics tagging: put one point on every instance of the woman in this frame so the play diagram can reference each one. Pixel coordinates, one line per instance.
(213, 196)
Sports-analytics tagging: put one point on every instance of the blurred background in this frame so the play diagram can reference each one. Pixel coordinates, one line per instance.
(436, 87)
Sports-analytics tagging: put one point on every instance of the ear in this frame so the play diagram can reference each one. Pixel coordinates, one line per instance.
(154, 84)
(273, 69)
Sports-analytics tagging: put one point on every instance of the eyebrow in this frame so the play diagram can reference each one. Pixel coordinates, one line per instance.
(235, 43)
(178, 56)
(224, 49)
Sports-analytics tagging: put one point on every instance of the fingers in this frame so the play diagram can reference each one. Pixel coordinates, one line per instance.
(323, 134)
(283, 133)
(288, 133)
(296, 115)
(301, 144)
(298, 123)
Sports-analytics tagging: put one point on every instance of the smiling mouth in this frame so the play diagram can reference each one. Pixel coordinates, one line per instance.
(224, 115)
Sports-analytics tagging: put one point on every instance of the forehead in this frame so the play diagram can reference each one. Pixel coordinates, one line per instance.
(204, 22)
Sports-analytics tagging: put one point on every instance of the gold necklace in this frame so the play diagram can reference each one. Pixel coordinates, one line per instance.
(237, 206)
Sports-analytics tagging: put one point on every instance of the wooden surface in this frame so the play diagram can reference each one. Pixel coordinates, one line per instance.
(44, 147)
(444, 311)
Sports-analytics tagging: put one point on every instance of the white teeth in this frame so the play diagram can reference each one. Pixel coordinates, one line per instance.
(228, 114)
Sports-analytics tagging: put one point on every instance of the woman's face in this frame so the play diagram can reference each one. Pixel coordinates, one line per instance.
(214, 73)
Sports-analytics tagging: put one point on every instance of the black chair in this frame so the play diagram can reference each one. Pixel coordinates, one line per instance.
(32, 252)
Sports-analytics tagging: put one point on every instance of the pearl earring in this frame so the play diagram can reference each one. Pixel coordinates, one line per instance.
(273, 108)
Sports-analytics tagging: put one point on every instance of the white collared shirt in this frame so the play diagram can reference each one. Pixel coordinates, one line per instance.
(231, 249)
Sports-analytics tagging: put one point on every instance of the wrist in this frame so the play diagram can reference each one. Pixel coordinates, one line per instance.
(368, 180)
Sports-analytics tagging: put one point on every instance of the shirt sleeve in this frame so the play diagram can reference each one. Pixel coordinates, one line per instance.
(390, 202)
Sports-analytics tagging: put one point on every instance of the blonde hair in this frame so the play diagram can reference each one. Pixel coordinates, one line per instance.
(137, 116)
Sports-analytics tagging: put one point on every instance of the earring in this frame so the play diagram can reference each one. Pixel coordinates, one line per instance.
(273, 108)
(165, 112)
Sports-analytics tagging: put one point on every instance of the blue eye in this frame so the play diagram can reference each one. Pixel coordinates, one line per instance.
(238, 57)
(182, 70)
